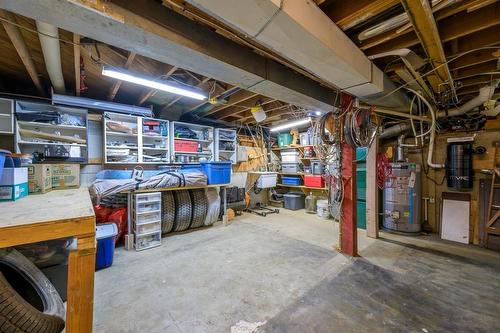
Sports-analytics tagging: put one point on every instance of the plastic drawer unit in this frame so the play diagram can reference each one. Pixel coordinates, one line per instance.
(146, 220)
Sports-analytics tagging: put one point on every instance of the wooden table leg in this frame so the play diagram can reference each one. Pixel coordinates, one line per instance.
(81, 270)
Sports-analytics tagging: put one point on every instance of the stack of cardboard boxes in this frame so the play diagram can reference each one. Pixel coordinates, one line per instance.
(15, 183)
(43, 178)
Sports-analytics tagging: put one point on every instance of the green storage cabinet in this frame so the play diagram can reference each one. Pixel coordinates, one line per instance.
(361, 181)
(361, 214)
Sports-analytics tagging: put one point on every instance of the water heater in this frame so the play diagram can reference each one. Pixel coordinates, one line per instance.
(402, 198)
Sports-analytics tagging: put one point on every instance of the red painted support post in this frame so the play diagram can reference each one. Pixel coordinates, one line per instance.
(348, 226)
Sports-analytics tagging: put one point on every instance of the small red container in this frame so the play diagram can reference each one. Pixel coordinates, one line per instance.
(314, 181)
(186, 146)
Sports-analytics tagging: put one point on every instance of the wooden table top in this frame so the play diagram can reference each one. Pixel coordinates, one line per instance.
(55, 206)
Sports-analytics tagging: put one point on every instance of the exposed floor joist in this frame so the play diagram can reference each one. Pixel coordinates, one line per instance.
(176, 40)
(22, 49)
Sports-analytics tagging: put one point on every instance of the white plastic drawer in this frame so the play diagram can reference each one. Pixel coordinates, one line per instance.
(147, 228)
(147, 197)
(141, 218)
(147, 206)
(143, 242)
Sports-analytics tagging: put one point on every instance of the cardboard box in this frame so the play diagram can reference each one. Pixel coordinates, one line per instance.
(65, 176)
(39, 178)
(14, 184)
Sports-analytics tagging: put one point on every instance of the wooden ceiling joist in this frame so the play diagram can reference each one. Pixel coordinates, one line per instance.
(469, 72)
(474, 58)
(175, 100)
(452, 27)
(149, 93)
(422, 19)
(347, 14)
(234, 99)
(243, 106)
(116, 86)
(21, 48)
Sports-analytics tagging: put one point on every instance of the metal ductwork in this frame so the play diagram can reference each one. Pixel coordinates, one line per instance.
(395, 130)
(300, 32)
(49, 41)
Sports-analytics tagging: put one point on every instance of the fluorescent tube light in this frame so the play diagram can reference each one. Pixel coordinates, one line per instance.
(291, 124)
(158, 85)
(101, 105)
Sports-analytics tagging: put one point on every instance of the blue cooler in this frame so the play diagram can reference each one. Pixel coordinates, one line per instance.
(105, 234)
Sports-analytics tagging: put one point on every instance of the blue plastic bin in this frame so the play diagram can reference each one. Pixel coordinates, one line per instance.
(105, 234)
(291, 180)
(217, 172)
(3, 153)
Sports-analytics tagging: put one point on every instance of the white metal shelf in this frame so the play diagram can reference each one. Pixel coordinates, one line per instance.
(51, 143)
(52, 126)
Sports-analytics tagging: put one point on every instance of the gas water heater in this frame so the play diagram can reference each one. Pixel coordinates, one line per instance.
(402, 198)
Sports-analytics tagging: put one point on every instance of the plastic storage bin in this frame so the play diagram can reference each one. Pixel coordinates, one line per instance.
(314, 181)
(143, 242)
(290, 156)
(290, 167)
(147, 217)
(146, 228)
(217, 172)
(291, 180)
(284, 139)
(3, 153)
(267, 180)
(105, 234)
(186, 146)
(294, 201)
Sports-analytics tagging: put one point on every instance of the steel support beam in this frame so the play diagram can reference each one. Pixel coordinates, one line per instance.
(152, 30)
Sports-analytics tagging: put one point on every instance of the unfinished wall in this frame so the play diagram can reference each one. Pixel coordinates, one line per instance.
(433, 190)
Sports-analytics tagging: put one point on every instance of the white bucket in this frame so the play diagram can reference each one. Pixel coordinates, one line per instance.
(322, 209)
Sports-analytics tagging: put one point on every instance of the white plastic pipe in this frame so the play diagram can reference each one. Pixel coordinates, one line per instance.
(49, 41)
(485, 94)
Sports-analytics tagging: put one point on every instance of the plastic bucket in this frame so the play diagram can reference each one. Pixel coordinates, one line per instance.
(3, 153)
(323, 211)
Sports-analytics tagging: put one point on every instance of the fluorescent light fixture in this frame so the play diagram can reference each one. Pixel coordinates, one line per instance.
(89, 103)
(154, 84)
(291, 124)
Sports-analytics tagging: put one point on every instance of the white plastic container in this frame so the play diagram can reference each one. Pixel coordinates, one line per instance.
(304, 139)
(267, 179)
(146, 228)
(147, 217)
(322, 209)
(258, 113)
(147, 241)
(290, 156)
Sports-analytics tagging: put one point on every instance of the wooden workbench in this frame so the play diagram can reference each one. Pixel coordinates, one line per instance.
(58, 214)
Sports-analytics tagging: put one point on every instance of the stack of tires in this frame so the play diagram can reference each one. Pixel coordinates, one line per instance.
(184, 209)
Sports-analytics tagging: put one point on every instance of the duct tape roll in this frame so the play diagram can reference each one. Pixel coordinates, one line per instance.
(183, 210)
(199, 208)
(167, 212)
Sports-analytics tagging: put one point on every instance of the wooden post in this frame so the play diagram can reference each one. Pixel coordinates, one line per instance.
(348, 228)
(372, 192)
(79, 313)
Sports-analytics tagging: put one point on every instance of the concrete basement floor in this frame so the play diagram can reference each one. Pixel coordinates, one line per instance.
(283, 270)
